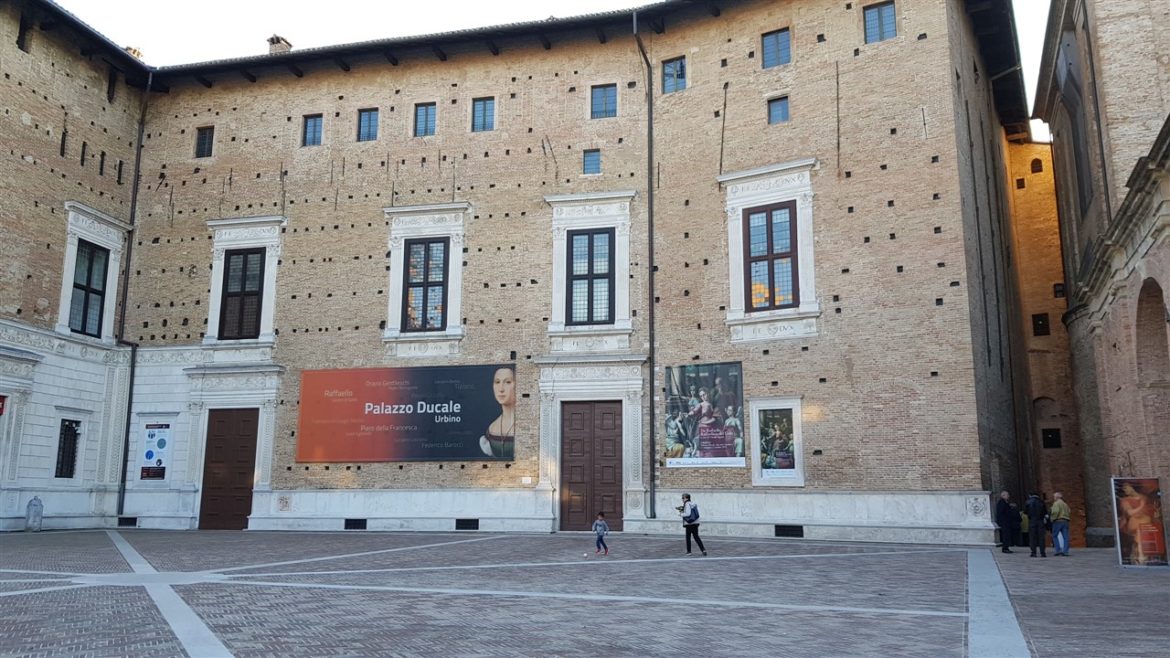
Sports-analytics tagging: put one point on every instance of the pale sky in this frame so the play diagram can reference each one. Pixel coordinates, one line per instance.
(170, 32)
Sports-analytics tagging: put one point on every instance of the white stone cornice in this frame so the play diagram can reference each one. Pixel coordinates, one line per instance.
(768, 170)
(247, 222)
(427, 209)
(591, 197)
(82, 209)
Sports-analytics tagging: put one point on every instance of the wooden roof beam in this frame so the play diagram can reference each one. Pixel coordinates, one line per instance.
(439, 52)
(390, 57)
(247, 75)
(203, 81)
(295, 70)
(495, 49)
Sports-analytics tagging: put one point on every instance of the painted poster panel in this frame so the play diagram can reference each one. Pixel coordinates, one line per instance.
(704, 416)
(408, 414)
(156, 438)
(1141, 536)
(777, 443)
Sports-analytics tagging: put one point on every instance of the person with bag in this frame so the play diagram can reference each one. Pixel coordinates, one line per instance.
(1034, 507)
(690, 518)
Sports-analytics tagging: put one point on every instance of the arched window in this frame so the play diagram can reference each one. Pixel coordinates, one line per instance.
(1037, 165)
(1153, 348)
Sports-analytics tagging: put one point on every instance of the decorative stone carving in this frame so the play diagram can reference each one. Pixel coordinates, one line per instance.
(253, 234)
(977, 507)
(283, 503)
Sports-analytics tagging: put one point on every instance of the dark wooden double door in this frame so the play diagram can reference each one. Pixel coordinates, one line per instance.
(229, 469)
(591, 464)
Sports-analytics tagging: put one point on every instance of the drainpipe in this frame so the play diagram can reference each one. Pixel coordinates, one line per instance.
(126, 294)
(650, 249)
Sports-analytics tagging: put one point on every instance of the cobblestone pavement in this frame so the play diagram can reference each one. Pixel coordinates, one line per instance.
(205, 594)
(1087, 605)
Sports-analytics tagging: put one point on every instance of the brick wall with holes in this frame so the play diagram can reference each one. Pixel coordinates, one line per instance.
(62, 138)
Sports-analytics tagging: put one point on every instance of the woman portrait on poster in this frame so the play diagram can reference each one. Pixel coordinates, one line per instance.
(675, 435)
(499, 440)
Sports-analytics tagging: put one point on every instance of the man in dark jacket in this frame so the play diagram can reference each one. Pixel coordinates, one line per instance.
(1003, 517)
(1036, 512)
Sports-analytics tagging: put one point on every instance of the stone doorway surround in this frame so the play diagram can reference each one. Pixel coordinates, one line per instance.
(595, 377)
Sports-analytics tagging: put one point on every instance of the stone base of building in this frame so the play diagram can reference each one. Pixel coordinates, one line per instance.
(824, 532)
(1100, 537)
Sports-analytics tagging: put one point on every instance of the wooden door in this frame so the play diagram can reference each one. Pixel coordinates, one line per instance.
(591, 464)
(229, 469)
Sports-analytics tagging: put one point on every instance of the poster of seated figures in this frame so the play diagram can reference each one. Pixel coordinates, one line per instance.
(704, 416)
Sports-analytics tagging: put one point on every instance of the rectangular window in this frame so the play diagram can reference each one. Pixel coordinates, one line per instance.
(243, 290)
(102, 164)
(1040, 325)
(367, 125)
(770, 257)
(880, 23)
(425, 285)
(204, 139)
(591, 277)
(603, 102)
(311, 135)
(778, 110)
(64, 139)
(1050, 437)
(119, 172)
(67, 448)
(89, 289)
(592, 162)
(424, 119)
(777, 48)
(674, 75)
(1058, 290)
(84, 152)
(483, 114)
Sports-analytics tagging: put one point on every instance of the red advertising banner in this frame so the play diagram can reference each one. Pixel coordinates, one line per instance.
(407, 414)
(1141, 536)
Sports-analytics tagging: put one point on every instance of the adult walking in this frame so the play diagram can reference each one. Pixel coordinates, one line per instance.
(1034, 508)
(1004, 518)
(690, 518)
(1060, 514)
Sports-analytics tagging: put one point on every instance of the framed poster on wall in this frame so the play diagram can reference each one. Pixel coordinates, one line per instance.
(1137, 512)
(777, 450)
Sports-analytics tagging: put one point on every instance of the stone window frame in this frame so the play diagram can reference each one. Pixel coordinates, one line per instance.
(239, 234)
(764, 186)
(755, 406)
(99, 229)
(574, 212)
(431, 221)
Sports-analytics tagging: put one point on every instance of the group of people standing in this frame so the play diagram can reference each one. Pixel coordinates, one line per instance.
(1033, 523)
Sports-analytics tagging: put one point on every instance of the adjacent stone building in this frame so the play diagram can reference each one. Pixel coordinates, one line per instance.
(1105, 90)
(758, 251)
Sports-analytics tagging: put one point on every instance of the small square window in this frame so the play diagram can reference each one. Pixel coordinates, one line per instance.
(603, 102)
(204, 140)
(483, 114)
(778, 110)
(674, 75)
(1040, 325)
(367, 125)
(777, 48)
(424, 119)
(1050, 437)
(880, 22)
(311, 135)
(1058, 290)
(592, 161)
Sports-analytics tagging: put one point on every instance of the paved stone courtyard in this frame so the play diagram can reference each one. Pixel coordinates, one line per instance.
(206, 593)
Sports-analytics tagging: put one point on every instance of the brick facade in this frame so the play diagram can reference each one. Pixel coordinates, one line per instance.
(903, 353)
